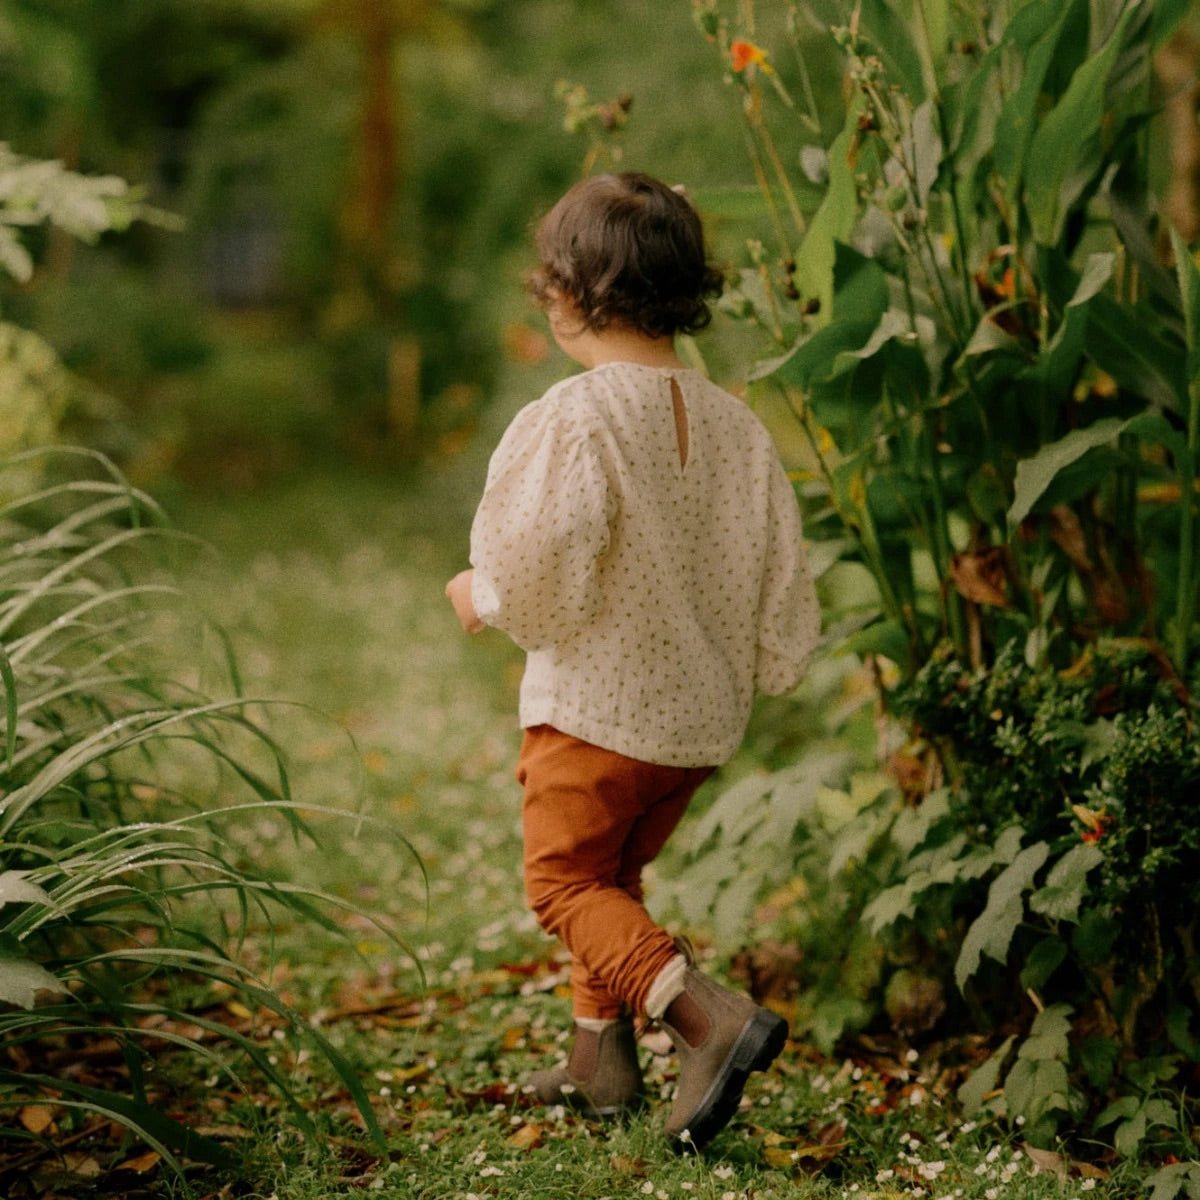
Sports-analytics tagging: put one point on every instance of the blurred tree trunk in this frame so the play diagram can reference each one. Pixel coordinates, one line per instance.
(1178, 68)
(370, 251)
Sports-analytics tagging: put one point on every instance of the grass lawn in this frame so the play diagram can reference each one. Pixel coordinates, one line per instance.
(332, 591)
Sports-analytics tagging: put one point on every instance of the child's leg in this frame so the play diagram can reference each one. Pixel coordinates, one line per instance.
(593, 820)
(643, 845)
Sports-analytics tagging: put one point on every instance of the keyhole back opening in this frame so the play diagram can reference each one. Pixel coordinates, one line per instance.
(681, 421)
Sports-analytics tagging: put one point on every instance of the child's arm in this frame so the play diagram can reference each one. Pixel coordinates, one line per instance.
(540, 530)
(459, 592)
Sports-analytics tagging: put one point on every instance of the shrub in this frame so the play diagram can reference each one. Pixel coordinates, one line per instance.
(989, 341)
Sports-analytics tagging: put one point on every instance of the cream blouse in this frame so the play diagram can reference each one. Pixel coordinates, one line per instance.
(651, 597)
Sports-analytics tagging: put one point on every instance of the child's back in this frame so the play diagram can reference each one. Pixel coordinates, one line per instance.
(651, 621)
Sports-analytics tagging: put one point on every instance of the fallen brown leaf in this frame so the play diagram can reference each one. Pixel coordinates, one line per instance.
(141, 1164)
(623, 1164)
(513, 1037)
(980, 577)
(82, 1165)
(37, 1118)
(810, 1151)
(528, 1137)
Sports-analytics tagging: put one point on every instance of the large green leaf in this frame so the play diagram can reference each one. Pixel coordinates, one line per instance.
(1188, 277)
(860, 301)
(891, 33)
(991, 933)
(1066, 151)
(1036, 474)
(21, 979)
(983, 1080)
(1035, 30)
(1066, 885)
(1130, 346)
(1058, 362)
(832, 223)
(1035, 1087)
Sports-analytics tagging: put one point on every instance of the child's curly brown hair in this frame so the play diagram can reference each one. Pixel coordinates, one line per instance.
(626, 250)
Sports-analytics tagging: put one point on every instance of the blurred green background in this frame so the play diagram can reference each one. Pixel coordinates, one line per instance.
(356, 180)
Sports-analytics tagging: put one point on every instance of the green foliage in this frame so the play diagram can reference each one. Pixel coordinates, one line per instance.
(115, 872)
(996, 376)
(34, 391)
(986, 391)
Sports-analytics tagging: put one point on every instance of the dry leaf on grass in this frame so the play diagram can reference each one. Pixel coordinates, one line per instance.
(141, 1164)
(528, 1137)
(37, 1118)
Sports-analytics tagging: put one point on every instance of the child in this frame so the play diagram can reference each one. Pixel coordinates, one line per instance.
(639, 539)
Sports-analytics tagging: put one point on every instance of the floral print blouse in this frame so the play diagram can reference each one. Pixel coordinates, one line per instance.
(652, 592)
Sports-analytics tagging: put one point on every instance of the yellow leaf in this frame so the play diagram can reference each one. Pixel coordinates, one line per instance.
(527, 1137)
(37, 1118)
(141, 1164)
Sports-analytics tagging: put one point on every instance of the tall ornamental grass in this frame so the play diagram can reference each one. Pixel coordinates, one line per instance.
(136, 784)
(127, 880)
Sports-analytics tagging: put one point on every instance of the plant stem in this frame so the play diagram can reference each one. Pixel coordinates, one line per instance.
(940, 543)
(1185, 600)
(863, 530)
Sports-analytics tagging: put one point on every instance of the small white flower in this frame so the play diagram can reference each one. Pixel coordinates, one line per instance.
(647, 1188)
(1087, 1185)
(723, 1172)
(911, 1056)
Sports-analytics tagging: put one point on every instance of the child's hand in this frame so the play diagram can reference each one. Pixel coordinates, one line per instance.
(458, 590)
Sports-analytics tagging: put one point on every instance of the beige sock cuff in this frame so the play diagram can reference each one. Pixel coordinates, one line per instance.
(668, 984)
(595, 1024)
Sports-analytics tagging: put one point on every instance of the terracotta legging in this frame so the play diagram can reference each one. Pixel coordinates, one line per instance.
(593, 820)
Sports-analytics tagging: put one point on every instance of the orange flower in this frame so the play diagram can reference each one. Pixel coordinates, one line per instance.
(1097, 823)
(746, 54)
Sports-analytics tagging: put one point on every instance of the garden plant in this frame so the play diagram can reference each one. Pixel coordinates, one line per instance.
(987, 333)
(128, 874)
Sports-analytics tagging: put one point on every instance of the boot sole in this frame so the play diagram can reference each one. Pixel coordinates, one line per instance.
(757, 1046)
(577, 1103)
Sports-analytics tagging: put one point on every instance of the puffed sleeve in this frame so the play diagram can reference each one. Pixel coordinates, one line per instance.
(540, 529)
(789, 617)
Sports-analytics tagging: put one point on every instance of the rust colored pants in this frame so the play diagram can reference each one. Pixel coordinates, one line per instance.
(593, 819)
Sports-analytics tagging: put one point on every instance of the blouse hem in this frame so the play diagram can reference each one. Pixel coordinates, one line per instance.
(628, 743)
